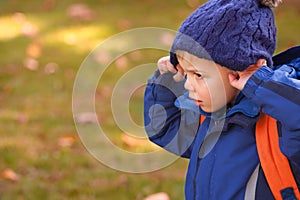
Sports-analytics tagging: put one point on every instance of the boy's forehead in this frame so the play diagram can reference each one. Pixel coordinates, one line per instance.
(194, 63)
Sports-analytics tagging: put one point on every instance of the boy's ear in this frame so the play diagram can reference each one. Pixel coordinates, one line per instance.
(179, 76)
(261, 62)
(235, 74)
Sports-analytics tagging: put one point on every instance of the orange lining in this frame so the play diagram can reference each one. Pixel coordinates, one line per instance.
(274, 164)
(202, 118)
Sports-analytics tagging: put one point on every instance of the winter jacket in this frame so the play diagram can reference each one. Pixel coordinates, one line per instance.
(224, 163)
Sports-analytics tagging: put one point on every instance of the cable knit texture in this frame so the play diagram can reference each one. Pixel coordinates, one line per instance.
(232, 33)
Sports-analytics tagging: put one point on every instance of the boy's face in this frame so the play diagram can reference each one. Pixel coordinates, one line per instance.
(207, 82)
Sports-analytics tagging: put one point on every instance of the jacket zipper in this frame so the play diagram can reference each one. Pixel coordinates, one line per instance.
(197, 169)
(216, 122)
(195, 178)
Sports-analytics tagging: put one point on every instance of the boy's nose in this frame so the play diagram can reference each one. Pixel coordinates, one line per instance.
(188, 86)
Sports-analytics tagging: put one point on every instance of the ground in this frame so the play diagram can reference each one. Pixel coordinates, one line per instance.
(43, 44)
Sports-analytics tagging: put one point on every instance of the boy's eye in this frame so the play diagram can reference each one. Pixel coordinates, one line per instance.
(198, 75)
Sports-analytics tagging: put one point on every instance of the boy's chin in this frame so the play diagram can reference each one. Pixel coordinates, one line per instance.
(209, 109)
(206, 109)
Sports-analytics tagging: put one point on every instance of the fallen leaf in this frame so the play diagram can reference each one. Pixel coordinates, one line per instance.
(86, 118)
(124, 24)
(66, 141)
(9, 174)
(81, 12)
(122, 62)
(19, 17)
(102, 57)
(158, 196)
(51, 68)
(132, 141)
(29, 30)
(34, 50)
(31, 64)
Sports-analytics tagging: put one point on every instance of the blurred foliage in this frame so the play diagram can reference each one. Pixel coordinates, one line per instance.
(42, 45)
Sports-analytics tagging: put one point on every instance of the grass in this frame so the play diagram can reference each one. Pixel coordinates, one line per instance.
(39, 141)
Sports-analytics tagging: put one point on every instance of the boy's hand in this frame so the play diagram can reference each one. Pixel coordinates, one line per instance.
(239, 79)
(164, 65)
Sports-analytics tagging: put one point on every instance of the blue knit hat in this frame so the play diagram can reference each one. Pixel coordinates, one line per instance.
(232, 33)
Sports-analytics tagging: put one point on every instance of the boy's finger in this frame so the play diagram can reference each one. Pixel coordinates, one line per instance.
(162, 65)
(171, 67)
(178, 77)
(162, 69)
(163, 61)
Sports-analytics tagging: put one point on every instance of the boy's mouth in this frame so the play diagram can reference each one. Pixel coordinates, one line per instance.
(198, 102)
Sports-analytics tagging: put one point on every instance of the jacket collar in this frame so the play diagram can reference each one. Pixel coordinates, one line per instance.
(243, 112)
(245, 106)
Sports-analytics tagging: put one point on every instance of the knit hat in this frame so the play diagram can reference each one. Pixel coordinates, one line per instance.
(232, 33)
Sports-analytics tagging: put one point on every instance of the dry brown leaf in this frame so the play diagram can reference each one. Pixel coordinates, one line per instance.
(122, 62)
(31, 64)
(9, 174)
(66, 141)
(86, 118)
(166, 39)
(51, 68)
(132, 141)
(102, 57)
(81, 12)
(158, 196)
(124, 24)
(34, 50)
(29, 30)
(19, 17)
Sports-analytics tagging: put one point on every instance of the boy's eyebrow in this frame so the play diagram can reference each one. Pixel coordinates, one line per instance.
(187, 68)
(192, 69)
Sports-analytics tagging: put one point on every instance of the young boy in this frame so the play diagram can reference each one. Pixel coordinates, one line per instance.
(221, 67)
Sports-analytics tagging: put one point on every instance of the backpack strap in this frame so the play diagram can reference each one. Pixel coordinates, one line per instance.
(275, 165)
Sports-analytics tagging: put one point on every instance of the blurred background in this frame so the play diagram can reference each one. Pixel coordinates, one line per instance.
(42, 45)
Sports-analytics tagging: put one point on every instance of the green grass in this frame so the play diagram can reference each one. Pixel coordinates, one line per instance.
(36, 106)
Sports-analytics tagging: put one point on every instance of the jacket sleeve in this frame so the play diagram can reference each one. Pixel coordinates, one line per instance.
(277, 92)
(167, 125)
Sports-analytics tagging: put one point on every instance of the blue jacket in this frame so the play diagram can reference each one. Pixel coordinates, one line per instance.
(224, 163)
